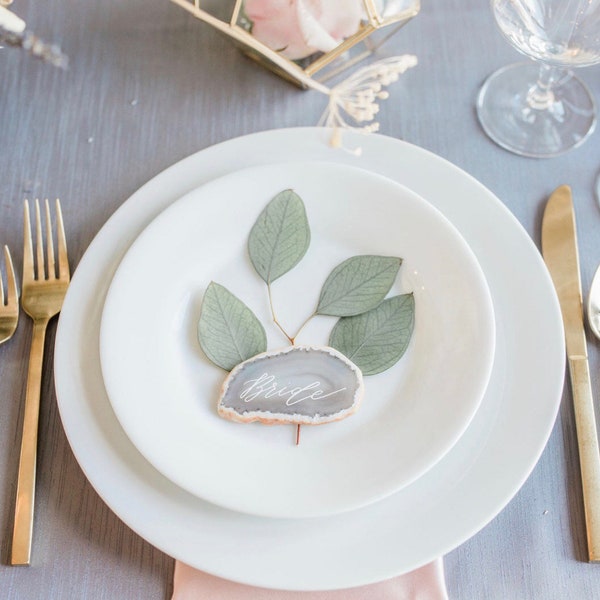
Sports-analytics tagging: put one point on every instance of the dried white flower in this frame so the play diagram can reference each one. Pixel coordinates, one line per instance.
(13, 33)
(356, 98)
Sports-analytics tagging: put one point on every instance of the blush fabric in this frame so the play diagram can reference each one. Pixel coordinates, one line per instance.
(424, 583)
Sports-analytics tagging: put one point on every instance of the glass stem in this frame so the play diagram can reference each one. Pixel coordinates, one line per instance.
(541, 96)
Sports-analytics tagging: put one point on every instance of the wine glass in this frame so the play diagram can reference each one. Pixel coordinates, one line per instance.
(540, 108)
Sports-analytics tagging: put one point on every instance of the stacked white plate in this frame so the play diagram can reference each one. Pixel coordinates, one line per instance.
(442, 441)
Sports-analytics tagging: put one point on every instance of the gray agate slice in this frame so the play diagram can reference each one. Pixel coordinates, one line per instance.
(304, 385)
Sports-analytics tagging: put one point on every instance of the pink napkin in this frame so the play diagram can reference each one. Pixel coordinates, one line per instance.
(425, 583)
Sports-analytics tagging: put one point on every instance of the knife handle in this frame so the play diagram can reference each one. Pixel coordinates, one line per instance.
(589, 452)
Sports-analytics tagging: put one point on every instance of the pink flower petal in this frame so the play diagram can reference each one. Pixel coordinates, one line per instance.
(298, 28)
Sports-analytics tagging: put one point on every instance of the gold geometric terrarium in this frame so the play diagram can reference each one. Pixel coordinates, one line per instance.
(305, 41)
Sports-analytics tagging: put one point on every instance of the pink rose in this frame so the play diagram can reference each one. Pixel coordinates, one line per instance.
(298, 28)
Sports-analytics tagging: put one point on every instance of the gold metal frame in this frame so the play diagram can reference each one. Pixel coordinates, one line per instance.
(285, 67)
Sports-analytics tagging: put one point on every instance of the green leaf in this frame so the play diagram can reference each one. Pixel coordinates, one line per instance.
(376, 340)
(228, 331)
(280, 237)
(357, 285)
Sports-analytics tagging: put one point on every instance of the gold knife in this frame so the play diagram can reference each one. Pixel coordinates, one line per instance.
(559, 247)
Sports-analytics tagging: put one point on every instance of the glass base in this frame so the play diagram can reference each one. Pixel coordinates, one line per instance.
(528, 127)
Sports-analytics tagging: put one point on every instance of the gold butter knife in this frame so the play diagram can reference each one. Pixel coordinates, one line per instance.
(559, 247)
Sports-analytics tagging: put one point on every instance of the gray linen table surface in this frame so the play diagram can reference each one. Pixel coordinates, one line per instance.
(148, 85)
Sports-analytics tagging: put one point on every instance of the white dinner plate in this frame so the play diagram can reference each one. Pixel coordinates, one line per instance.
(164, 390)
(436, 513)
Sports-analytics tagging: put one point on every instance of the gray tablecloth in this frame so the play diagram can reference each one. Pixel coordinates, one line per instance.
(149, 85)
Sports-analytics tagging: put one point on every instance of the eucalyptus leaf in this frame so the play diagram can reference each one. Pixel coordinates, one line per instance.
(228, 331)
(357, 285)
(280, 237)
(376, 340)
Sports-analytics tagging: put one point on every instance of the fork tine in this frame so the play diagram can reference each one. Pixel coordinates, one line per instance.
(11, 282)
(63, 261)
(28, 270)
(39, 242)
(49, 244)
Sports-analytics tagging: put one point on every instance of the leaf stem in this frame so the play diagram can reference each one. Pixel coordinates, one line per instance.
(275, 320)
(293, 340)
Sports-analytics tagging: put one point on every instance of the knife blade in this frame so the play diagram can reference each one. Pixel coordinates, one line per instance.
(559, 248)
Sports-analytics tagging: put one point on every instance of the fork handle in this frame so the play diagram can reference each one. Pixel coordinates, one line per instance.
(23, 523)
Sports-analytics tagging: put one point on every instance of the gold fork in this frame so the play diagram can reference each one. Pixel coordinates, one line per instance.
(44, 288)
(9, 304)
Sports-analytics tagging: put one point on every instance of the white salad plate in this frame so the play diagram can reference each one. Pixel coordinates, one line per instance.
(164, 390)
(451, 502)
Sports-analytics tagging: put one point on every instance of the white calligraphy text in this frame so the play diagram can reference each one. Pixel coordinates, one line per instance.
(266, 386)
